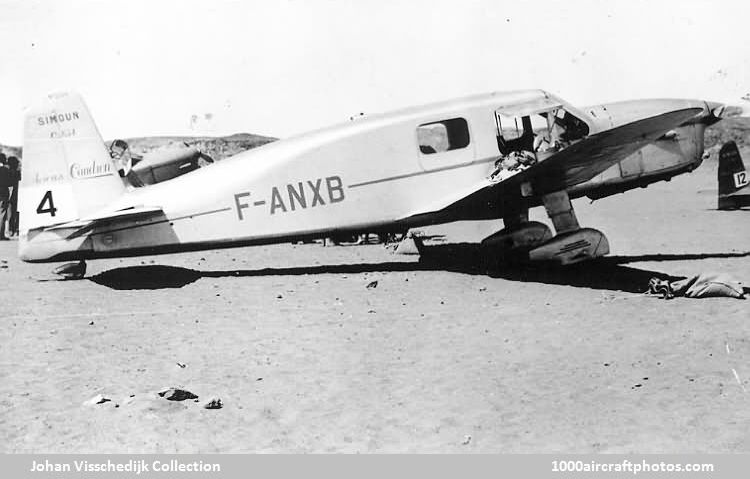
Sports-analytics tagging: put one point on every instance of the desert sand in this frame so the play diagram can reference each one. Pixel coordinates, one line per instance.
(441, 356)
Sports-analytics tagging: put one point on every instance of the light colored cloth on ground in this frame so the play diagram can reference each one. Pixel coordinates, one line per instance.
(708, 285)
(704, 285)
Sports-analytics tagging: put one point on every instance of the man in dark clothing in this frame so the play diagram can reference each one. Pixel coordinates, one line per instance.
(6, 182)
(15, 170)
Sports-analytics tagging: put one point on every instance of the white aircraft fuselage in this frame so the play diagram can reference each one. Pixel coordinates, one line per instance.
(369, 174)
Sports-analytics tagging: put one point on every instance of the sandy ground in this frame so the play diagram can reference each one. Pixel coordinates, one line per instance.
(441, 356)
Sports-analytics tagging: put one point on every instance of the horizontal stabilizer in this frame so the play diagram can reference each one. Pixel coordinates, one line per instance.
(84, 225)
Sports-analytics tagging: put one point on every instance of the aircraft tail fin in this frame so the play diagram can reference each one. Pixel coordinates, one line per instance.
(732, 178)
(67, 171)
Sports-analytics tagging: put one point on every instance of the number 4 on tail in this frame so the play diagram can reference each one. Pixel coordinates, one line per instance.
(46, 200)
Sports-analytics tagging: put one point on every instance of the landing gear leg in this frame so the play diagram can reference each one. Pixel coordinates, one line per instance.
(512, 243)
(572, 243)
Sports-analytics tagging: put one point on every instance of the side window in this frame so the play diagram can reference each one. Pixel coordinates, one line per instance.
(510, 128)
(441, 136)
(573, 128)
(515, 133)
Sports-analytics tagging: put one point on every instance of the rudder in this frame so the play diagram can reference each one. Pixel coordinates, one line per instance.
(732, 178)
(67, 171)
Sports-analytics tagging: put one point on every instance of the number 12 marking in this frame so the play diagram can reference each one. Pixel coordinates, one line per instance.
(740, 179)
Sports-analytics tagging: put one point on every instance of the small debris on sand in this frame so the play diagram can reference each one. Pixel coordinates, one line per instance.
(98, 399)
(176, 394)
(467, 440)
(181, 365)
(373, 284)
(213, 403)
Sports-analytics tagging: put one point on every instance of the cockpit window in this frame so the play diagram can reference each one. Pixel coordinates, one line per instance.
(514, 133)
(440, 136)
(510, 128)
(552, 129)
(526, 140)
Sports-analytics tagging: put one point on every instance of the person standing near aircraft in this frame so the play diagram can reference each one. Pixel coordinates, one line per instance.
(5, 184)
(15, 170)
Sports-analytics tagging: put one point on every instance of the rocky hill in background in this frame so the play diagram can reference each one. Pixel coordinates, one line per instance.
(217, 148)
(737, 129)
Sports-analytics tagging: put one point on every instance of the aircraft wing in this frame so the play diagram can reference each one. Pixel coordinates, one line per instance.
(575, 164)
(452, 199)
(587, 158)
(84, 225)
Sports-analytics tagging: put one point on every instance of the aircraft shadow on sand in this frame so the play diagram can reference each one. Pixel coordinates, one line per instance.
(604, 273)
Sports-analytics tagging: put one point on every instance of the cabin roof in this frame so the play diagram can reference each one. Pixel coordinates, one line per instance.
(519, 100)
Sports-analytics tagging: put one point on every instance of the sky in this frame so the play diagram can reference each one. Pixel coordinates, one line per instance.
(283, 67)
